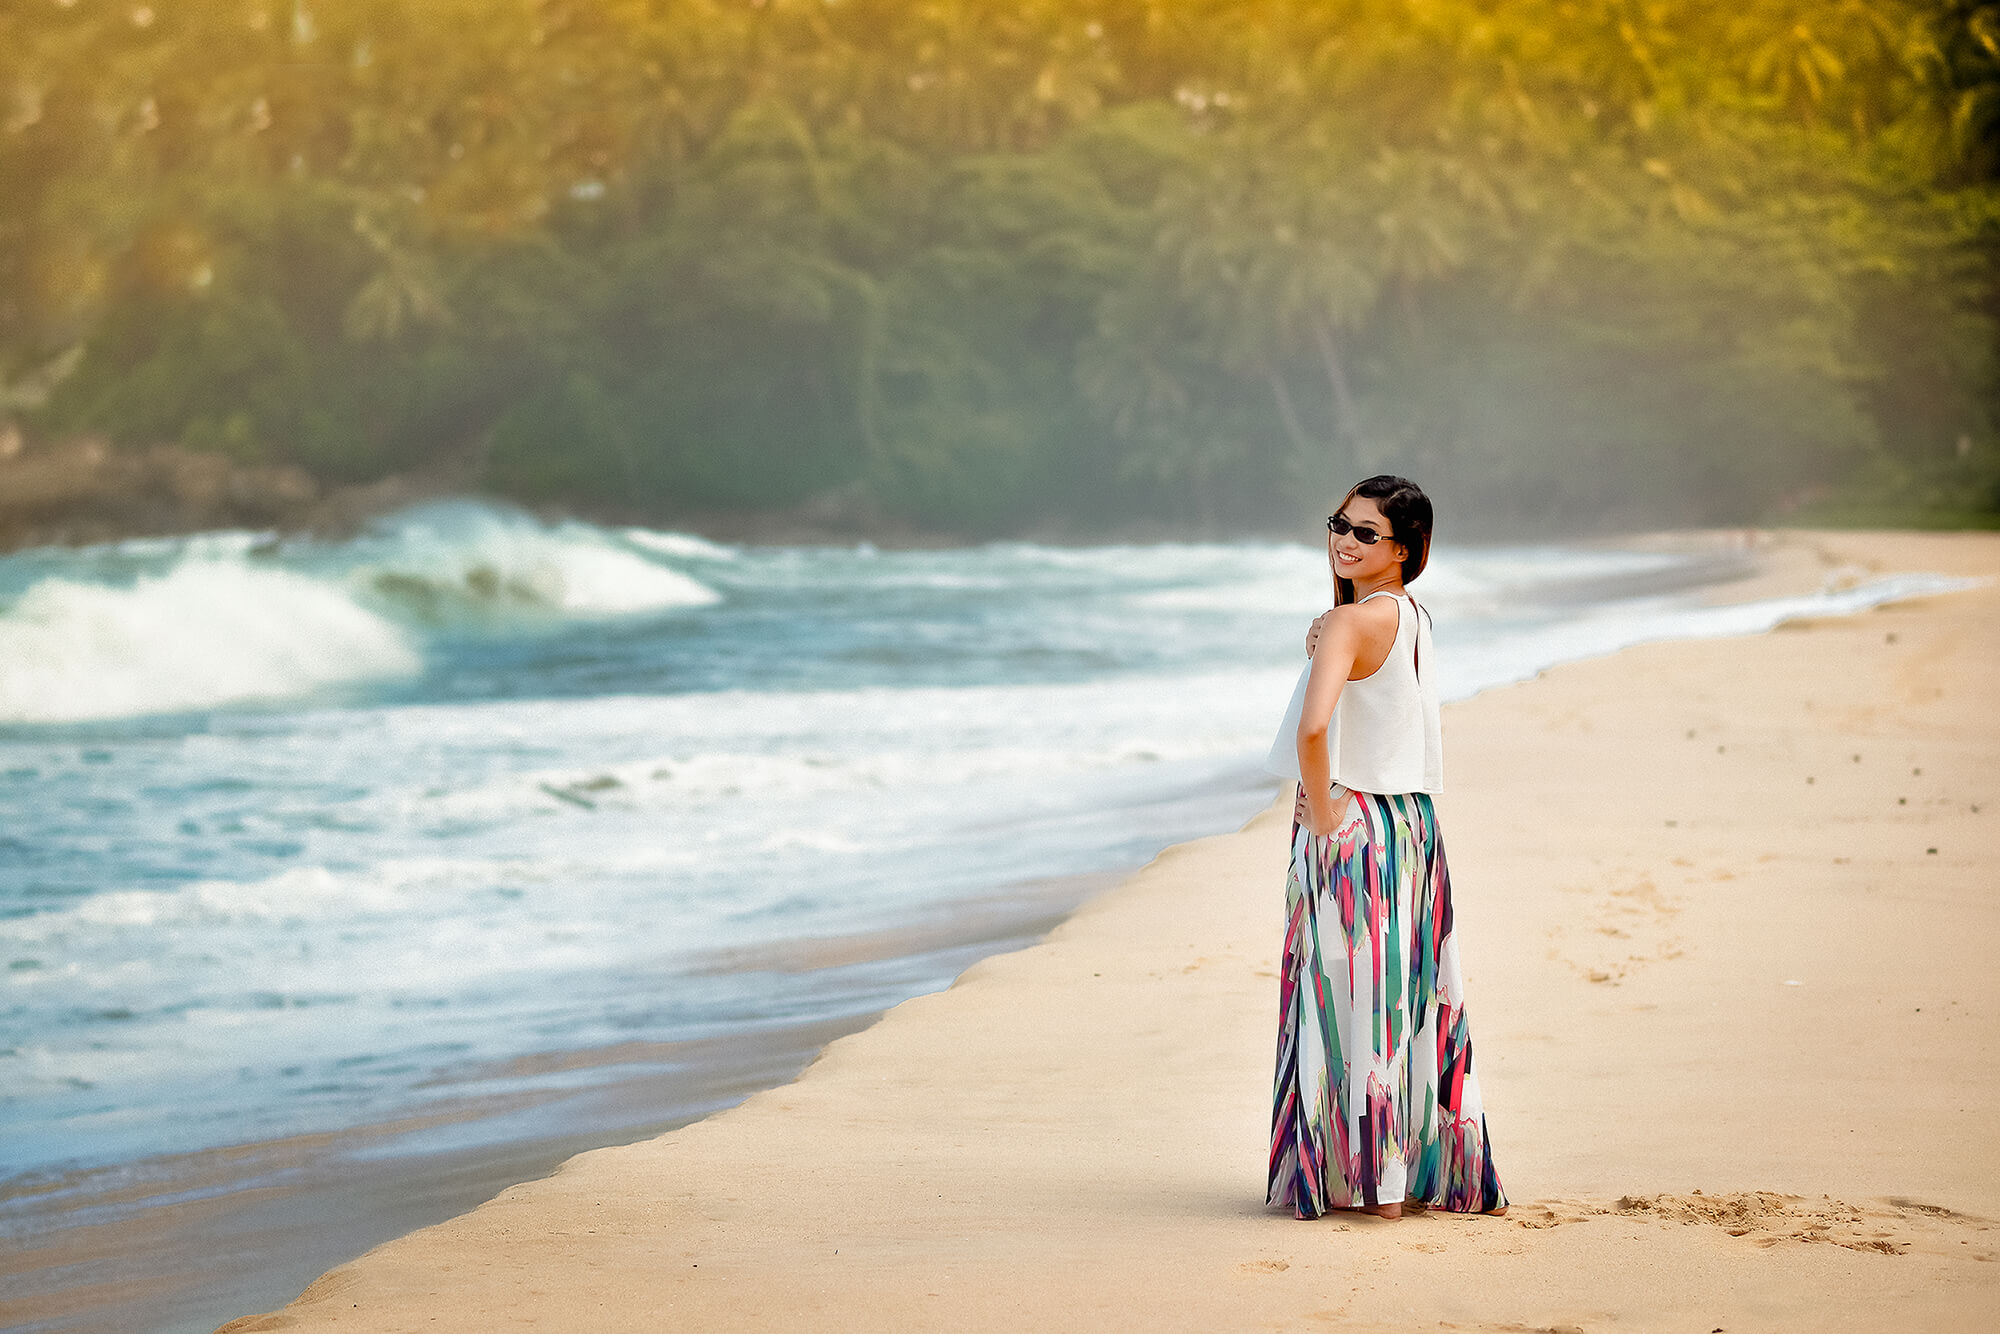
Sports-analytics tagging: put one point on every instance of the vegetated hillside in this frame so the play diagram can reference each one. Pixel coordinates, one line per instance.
(992, 265)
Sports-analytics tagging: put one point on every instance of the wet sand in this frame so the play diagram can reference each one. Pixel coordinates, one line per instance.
(180, 1243)
(1727, 915)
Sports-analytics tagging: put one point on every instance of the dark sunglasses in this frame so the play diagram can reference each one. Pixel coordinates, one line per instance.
(1338, 525)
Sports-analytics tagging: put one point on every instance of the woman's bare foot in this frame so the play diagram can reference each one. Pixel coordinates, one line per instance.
(1413, 1207)
(1372, 1210)
(1419, 1207)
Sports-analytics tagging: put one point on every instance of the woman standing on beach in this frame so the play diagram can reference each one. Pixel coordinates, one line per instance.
(1376, 1102)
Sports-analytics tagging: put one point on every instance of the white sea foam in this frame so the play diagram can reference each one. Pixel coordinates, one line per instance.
(686, 546)
(681, 781)
(1612, 627)
(220, 544)
(301, 895)
(204, 633)
(464, 557)
(217, 623)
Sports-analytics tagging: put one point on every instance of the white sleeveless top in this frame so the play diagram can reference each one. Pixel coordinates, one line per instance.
(1385, 735)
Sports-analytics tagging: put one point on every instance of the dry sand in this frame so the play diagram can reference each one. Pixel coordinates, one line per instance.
(1727, 914)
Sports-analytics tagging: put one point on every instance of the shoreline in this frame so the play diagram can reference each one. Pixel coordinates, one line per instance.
(1071, 1131)
(161, 1245)
(161, 1233)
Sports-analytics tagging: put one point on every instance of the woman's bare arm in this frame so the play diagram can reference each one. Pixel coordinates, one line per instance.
(1333, 659)
(1346, 635)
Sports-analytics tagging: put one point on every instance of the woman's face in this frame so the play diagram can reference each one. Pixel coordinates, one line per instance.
(1353, 559)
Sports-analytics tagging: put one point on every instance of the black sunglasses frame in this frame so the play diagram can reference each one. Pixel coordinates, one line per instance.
(1338, 525)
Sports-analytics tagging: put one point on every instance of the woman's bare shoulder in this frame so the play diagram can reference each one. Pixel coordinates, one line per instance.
(1378, 611)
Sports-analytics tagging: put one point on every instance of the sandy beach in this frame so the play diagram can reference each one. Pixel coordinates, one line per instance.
(1726, 911)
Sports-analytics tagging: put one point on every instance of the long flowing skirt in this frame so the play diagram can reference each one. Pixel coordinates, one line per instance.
(1376, 1099)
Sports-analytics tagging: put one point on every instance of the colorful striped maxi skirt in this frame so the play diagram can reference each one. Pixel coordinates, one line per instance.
(1376, 1099)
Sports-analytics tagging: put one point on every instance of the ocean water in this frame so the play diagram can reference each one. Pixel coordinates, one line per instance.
(306, 835)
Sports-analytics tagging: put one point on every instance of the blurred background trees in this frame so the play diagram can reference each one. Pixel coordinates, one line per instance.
(997, 266)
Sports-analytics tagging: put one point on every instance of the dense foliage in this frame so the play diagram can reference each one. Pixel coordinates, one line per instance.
(990, 265)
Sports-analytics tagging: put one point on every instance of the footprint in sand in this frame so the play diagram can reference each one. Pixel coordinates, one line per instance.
(1625, 929)
(1767, 1218)
(1552, 1213)
(1263, 1266)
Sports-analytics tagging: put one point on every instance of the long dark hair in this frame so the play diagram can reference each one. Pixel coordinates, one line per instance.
(1408, 510)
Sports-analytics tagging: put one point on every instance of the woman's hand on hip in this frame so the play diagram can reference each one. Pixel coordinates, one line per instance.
(1322, 817)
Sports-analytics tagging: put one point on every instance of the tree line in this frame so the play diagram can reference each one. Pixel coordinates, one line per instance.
(998, 265)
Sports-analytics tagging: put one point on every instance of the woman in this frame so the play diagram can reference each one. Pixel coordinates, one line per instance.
(1376, 1103)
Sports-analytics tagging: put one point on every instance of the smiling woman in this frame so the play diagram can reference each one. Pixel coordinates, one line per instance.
(1376, 1103)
